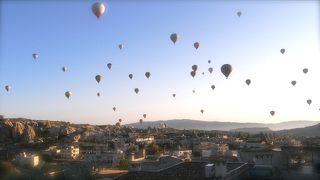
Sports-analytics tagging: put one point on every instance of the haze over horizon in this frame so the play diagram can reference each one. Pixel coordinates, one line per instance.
(251, 43)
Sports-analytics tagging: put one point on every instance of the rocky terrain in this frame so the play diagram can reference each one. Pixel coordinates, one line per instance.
(20, 130)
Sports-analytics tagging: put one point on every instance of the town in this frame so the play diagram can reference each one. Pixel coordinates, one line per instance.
(34, 149)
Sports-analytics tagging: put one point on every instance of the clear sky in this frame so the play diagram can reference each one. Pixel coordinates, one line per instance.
(68, 34)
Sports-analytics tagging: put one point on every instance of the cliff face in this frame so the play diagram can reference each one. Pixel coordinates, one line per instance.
(20, 130)
(29, 134)
(17, 131)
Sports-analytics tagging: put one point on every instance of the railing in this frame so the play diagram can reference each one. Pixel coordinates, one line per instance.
(237, 172)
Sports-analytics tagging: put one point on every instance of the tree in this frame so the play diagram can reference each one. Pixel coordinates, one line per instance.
(123, 164)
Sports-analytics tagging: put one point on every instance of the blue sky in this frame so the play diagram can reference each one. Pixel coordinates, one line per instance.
(68, 34)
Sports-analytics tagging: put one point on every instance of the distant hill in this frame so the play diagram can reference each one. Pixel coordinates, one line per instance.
(223, 126)
(306, 131)
(253, 130)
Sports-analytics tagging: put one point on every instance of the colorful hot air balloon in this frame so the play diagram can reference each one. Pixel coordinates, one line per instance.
(148, 74)
(194, 67)
(196, 45)
(98, 94)
(226, 69)
(174, 95)
(109, 65)
(64, 69)
(144, 115)
(305, 70)
(239, 13)
(120, 120)
(130, 76)
(136, 90)
(120, 46)
(35, 56)
(248, 82)
(202, 73)
(7, 87)
(174, 37)
(293, 83)
(201, 111)
(282, 50)
(68, 94)
(98, 78)
(98, 9)
(309, 101)
(272, 113)
(213, 87)
(209, 61)
(114, 108)
(193, 73)
(210, 69)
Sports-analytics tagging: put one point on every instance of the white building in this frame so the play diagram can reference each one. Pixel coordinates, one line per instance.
(182, 152)
(209, 170)
(147, 140)
(27, 159)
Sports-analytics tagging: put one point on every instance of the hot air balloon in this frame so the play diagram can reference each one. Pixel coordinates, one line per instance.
(194, 67)
(248, 82)
(193, 91)
(141, 121)
(120, 46)
(272, 113)
(114, 108)
(148, 74)
(64, 69)
(174, 95)
(193, 73)
(309, 101)
(98, 9)
(239, 13)
(68, 94)
(196, 45)
(130, 76)
(98, 78)
(120, 120)
(174, 37)
(210, 69)
(212, 87)
(7, 87)
(144, 116)
(209, 61)
(109, 65)
(202, 73)
(305, 70)
(293, 83)
(98, 94)
(35, 56)
(282, 50)
(202, 111)
(226, 69)
(118, 124)
(136, 90)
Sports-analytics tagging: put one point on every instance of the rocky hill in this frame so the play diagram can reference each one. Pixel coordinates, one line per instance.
(311, 131)
(20, 130)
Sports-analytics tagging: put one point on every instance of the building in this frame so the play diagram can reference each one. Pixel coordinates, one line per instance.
(182, 152)
(69, 152)
(275, 157)
(147, 140)
(25, 159)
